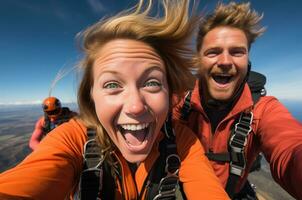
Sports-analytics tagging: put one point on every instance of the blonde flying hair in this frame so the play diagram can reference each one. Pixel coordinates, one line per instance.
(236, 15)
(169, 34)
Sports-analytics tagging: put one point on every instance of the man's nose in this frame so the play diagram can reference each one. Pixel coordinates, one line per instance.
(135, 103)
(224, 60)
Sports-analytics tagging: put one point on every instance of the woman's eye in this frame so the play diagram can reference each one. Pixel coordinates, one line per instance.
(153, 84)
(111, 85)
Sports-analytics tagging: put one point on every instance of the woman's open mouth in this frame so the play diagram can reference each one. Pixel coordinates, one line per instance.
(135, 134)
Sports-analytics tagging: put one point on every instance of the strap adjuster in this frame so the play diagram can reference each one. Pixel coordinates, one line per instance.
(237, 165)
(238, 142)
(167, 187)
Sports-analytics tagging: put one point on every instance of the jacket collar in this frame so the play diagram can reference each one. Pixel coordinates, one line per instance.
(244, 102)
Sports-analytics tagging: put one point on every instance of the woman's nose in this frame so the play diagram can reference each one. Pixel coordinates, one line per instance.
(135, 103)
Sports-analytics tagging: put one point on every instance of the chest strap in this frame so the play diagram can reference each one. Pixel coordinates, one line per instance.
(237, 144)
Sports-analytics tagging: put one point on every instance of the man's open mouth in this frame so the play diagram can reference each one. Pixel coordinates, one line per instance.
(134, 134)
(222, 78)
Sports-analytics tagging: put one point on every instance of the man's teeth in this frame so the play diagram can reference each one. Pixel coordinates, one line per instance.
(222, 78)
(135, 127)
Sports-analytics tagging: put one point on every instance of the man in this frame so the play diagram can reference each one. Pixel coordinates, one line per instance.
(222, 98)
(54, 115)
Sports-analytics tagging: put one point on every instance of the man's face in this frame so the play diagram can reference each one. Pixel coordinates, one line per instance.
(224, 61)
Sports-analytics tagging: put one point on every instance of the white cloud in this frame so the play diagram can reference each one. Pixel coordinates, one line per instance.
(285, 83)
(96, 6)
(16, 103)
(28, 102)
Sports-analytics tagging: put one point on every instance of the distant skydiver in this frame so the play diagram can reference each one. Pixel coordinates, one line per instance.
(54, 115)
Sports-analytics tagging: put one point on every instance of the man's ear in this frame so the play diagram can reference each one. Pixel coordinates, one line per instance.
(249, 66)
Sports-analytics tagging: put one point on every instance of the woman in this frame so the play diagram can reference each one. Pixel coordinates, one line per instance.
(133, 65)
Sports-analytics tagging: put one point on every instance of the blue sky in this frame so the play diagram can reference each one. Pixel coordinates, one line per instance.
(37, 39)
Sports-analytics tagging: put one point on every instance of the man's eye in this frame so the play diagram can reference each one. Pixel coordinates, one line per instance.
(238, 52)
(111, 85)
(212, 53)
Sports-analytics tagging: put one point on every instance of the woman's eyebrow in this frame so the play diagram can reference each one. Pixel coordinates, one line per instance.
(156, 68)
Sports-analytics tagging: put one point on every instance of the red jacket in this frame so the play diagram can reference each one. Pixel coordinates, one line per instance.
(275, 133)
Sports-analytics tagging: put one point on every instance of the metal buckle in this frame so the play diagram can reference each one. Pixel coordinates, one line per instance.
(236, 169)
(238, 142)
(167, 186)
(172, 159)
(96, 155)
(242, 129)
(244, 124)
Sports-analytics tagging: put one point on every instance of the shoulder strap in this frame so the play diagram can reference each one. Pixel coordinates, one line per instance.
(186, 108)
(256, 82)
(163, 181)
(94, 171)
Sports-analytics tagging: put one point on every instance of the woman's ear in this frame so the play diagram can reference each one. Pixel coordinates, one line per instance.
(91, 94)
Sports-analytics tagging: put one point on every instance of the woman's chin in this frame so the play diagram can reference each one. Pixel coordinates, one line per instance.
(135, 158)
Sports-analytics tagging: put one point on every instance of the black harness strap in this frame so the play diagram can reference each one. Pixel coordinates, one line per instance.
(168, 184)
(219, 157)
(163, 181)
(237, 146)
(186, 107)
(91, 180)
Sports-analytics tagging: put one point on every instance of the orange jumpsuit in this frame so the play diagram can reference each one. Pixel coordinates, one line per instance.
(275, 133)
(52, 171)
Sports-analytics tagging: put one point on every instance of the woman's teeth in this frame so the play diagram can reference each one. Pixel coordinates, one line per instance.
(135, 127)
(135, 134)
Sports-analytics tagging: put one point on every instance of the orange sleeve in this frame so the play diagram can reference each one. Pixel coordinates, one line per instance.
(52, 170)
(196, 173)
